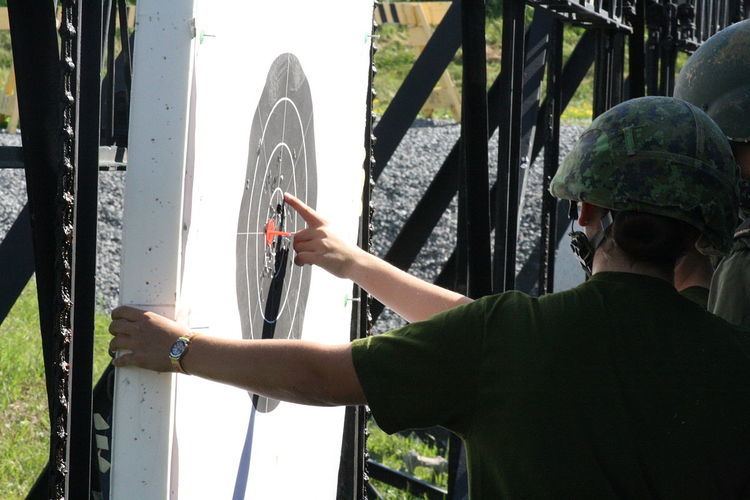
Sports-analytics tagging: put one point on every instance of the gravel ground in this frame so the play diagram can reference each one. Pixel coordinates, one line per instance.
(412, 167)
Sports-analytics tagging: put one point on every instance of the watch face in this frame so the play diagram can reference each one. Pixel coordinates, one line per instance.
(177, 348)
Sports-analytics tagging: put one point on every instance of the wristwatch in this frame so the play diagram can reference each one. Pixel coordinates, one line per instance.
(178, 351)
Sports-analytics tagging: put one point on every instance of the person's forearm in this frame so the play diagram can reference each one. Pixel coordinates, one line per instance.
(295, 371)
(412, 298)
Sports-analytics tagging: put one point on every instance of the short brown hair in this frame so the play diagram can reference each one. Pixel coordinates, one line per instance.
(652, 238)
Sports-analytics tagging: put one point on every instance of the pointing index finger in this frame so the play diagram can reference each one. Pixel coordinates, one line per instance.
(308, 214)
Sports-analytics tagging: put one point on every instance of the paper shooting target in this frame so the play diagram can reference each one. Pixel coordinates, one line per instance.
(271, 290)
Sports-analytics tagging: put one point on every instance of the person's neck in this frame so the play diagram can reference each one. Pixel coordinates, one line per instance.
(683, 282)
(612, 259)
(692, 269)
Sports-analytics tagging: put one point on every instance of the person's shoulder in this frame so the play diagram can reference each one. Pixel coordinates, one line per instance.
(569, 296)
(739, 332)
(512, 299)
(718, 326)
(739, 338)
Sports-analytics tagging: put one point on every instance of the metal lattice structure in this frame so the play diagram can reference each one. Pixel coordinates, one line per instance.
(652, 32)
(67, 142)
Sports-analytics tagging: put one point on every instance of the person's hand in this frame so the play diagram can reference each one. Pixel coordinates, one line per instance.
(146, 335)
(318, 245)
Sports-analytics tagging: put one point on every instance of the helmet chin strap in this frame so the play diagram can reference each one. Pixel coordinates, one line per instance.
(585, 248)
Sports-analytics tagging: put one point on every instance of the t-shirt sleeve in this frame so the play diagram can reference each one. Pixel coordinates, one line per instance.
(426, 373)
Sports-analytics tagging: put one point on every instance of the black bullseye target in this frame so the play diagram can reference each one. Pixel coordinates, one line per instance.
(271, 290)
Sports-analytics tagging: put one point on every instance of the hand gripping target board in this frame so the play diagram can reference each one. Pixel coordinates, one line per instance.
(233, 104)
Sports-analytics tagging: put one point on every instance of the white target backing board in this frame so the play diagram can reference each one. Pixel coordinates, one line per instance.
(234, 103)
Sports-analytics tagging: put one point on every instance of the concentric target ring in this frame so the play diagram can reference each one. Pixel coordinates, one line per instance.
(271, 291)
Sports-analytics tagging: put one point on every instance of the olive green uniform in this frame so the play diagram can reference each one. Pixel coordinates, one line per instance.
(716, 78)
(697, 294)
(619, 388)
(730, 286)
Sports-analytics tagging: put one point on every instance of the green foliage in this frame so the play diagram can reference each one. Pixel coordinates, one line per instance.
(395, 58)
(391, 450)
(6, 53)
(24, 421)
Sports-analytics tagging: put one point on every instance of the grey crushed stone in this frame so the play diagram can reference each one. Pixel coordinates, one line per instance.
(404, 181)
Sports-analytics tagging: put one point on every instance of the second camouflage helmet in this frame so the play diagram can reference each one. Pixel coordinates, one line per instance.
(716, 78)
(661, 156)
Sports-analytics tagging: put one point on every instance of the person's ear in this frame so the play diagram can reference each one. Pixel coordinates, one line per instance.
(589, 214)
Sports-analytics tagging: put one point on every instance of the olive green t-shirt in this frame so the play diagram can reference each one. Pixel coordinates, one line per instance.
(619, 388)
(697, 294)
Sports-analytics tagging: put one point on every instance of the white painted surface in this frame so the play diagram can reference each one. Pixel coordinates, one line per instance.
(295, 449)
(143, 407)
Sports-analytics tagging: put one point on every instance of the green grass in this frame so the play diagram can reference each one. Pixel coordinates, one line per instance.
(395, 58)
(390, 450)
(24, 422)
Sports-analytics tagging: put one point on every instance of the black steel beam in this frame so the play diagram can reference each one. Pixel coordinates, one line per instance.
(108, 83)
(474, 154)
(351, 483)
(442, 188)
(124, 77)
(602, 73)
(474, 270)
(111, 158)
(537, 40)
(16, 261)
(404, 482)
(38, 84)
(576, 68)
(597, 14)
(117, 79)
(537, 44)
(637, 52)
(417, 87)
(574, 71)
(608, 70)
(102, 404)
(11, 157)
(125, 41)
(84, 248)
(618, 68)
(548, 241)
(509, 146)
(668, 48)
(654, 21)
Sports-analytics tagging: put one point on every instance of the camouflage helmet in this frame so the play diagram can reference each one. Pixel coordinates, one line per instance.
(657, 155)
(716, 78)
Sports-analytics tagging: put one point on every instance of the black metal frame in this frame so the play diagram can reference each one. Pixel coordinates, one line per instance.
(654, 31)
(66, 311)
(352, 466)
(96, 139)
(115, 101)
